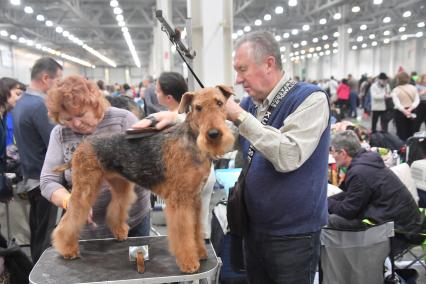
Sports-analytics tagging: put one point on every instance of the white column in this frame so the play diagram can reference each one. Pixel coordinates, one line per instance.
(212, 40)
(342, 55)
(162, 47)
(391, 69)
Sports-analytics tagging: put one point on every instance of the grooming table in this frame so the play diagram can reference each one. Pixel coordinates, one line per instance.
(107, 261)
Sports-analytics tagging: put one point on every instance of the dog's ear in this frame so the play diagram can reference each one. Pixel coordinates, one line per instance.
(227, 91)
(185, 102)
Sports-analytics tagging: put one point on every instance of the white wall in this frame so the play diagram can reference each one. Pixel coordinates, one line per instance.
(409, 54)
(16, 62)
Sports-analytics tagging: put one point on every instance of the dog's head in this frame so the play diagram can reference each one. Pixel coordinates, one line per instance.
(206, 115)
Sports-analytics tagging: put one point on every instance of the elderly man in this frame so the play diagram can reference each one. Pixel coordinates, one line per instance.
(371, 191)
(287, 180)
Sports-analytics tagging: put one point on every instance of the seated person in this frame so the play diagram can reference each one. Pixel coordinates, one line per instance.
(371, 191)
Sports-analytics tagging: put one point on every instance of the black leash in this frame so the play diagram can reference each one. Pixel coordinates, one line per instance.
(189, 67)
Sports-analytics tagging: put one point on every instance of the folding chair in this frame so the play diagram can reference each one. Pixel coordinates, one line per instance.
(355, 257)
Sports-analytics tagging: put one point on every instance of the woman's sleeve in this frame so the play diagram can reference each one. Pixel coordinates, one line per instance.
(51, 181)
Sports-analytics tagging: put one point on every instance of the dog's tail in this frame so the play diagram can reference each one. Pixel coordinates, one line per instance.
(62, 168)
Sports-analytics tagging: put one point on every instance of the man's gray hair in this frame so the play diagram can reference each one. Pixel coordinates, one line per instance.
(263, 44)
(346, 140)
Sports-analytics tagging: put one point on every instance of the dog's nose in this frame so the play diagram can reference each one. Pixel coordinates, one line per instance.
(213, 133)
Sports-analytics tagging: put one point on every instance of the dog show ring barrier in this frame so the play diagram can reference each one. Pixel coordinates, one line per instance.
(107, 261)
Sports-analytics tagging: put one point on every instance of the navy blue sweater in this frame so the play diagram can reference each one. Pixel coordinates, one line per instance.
(294, 202)
(32, 133)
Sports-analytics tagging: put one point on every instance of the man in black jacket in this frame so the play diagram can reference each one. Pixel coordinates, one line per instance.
(371, 191)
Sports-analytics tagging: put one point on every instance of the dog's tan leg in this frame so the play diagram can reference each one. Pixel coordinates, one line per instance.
(122, 197)
(181, 227)
(87, 178)
(198, 235)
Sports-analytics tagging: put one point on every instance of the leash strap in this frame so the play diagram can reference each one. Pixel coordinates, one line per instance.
(277, 99)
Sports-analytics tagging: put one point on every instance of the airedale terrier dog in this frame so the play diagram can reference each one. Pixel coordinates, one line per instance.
(173, 163)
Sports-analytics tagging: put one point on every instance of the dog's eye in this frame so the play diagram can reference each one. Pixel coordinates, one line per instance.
(219, 103)
(198, 108)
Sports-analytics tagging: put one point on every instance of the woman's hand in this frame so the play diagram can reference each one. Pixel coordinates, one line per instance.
(90, 219)
(158, 120)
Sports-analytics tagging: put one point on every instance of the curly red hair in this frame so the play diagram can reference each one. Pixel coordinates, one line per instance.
(71, 95)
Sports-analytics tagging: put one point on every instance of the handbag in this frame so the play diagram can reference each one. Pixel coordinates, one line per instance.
(236, 210)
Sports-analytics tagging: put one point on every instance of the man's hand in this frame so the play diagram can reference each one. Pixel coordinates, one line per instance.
(233, 109)
(158, 120)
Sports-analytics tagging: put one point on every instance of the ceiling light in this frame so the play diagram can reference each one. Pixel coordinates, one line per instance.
(279, 10)
(359, 39)
(286, 35)
(372, 36)
(38, 46)
(258, 22)
(282, 48)
(354, 47)
(318, 48)
(49, 23)
(335, 44)
(326, 46)
(4, 33)
(327, 52)
(324, 37)
(335, 51)
(302, 51)
(401, 29)
(247, 29)
(336, 34)
(386, 19)
(309, 55)
(119, 18)
(386, 33)
(311, 49)
(419, 34)
(421, 25)
(337, 16)
(377, 2)
(404, 37)
(294, 31)
(303, 43)
(278, 38)
(234, 35)
(323, 21)
(59, 29)
(28, 10)
(349, 30)
(374, 43)
(315, 40)
(22, 40)
(364, 45)
(386, 40)
(15, 2)
(66, 33)
(356, 9)
(321, 53)
(296, 45)
(406, 14)
(14, 37)
(113, 3)
(363, 27)
(296, 53)
(267, 17)
(30, 42)
(292, 3)
(40, 18)
(239, 32)
(305, 28)
(126, 30)
(118, 10)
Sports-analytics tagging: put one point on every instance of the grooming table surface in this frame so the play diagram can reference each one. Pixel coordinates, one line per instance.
(107, 261)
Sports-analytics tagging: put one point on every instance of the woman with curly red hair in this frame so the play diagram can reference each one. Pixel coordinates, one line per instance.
(80, 110)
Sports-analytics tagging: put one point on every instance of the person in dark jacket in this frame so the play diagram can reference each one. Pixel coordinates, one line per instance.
(371, 191)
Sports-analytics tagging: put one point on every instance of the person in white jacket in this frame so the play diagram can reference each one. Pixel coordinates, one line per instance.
(380, 91)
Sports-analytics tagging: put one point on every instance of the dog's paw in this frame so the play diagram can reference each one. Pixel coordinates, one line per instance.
(71, 255)
(189, 266)
(202, 253)
(121, 232)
